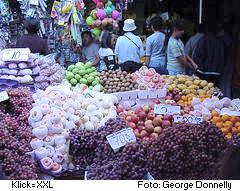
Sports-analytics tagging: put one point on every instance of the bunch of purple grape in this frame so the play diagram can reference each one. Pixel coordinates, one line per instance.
(129, 164)
(15, 135)
(187, 152)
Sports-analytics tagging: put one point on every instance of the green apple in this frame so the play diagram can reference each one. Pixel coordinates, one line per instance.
(75, 71)
(73, 82)
(83, 81)
(88, 65)
(70, 68)
(90, 79)
(79, 64)
(69, 75)
(77, 77)
(82, 72)
(86, 76)
(89, 71)
(94, 83)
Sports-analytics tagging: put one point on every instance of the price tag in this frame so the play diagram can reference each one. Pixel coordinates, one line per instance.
(231, 113)
(162, 109)
(121, 138)
(236, 104)
(188, 119)
(3, 96)
(15, 54)
(34, 2)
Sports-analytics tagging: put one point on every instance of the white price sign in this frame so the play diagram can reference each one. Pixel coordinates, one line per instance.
(188, 119)
(3, 96)
(231, 113)
(121, 138)
(162, 109)
(15, 54)
(236, 104)
(34, 2)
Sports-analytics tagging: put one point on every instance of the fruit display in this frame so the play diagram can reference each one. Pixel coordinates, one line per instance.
(56, 111)
(148, 79)
(117, 81)
(15, 136)
(89, 146)
(51, 73)
(121, 166)
(177, 152)
(190, 85)
(81, 73)
(144, 122)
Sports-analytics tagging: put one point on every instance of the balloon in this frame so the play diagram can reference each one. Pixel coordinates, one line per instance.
(101, 14)
(109, 4)
(94, 14)
(100, 5)
(108, 10)
(96, 32)
(96, 1)
(97, 23)
(115, 14)
(110, 21)
(105, 22)
(90, 21)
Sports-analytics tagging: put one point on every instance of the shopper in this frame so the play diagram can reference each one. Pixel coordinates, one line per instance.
(209, 55)
(155, 51)
(192, 42)
(90, 49)
(129, 48)
(31, 40)
(177, 61)
(105, 52)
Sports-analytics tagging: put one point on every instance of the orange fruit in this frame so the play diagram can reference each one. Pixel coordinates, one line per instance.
(237, 124)
(234, 130)
(216, 119)
(219, 124)
(225, 117)
(228, 124)
(225, 130)
(238, 128)
(215, 113)
(234, 119)
(184, 98)
(229, 135)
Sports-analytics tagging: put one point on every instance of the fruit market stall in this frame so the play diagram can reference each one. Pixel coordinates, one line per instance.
(77, 123)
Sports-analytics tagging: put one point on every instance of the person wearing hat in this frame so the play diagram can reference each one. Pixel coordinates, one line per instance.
(129, 48)
(31, 40)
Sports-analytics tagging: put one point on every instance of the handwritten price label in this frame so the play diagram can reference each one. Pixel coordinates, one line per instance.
(188, 119)
(121, 138)
(162, 109)
(3, 96)
(236, 104)
(15, 54)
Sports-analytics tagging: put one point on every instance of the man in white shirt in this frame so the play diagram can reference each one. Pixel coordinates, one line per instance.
(129, 47)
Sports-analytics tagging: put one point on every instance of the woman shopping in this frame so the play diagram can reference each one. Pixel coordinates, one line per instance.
(177, 61)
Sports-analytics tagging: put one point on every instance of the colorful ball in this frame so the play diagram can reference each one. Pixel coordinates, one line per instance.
(90, 21)
(100, 5)
(115, 14)
(94, 14)
(97, 23)
(96, 32)
(108, 10)
(101, 14)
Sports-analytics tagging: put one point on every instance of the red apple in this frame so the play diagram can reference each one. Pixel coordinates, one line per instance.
(122, 115)
(148, 123)
(154, 135)
(166, 123)
(141, 127)
(150, 129)
(138, 109)
(143, 133)
(135, 118)
(129, 118)
(146, 108)
(137, 132)
(132, 125)
(120, 109)
(168, 97)
(157, 121)
(167, 117)
(150, 116)
(177, 97)
(140, 123)
(142, 115)
(157, 130)
(131, 112)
